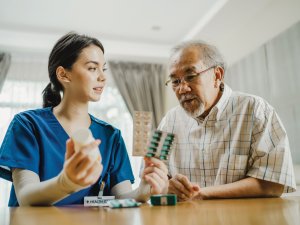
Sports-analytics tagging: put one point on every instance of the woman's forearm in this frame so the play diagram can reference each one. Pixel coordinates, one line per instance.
(31, 192)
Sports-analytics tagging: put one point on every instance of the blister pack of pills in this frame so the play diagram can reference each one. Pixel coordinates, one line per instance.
(142, 127)
(160, 145)
(167, 199)
(123, 203)
(157, 144)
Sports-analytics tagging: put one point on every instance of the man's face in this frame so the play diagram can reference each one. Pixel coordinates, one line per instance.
(198, 95)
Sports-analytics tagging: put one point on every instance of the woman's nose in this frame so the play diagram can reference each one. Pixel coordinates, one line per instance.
(101, 76)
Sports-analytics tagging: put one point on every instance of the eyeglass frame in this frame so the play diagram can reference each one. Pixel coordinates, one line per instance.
(194, 76)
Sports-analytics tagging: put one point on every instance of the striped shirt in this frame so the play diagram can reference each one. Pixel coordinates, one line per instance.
(241, 137)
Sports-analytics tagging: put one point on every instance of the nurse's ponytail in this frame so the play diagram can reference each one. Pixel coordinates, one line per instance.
(51, 97)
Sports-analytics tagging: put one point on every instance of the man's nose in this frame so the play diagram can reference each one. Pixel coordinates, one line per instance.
(183, 87)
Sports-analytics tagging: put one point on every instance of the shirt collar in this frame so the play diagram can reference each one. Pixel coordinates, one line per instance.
(220, 106)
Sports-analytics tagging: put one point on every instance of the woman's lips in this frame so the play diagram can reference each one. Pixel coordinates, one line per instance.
(98, 89)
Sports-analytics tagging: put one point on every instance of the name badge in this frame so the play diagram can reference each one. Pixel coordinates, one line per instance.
(97, 200)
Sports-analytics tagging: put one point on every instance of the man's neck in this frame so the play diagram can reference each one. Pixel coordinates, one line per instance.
(206, 112)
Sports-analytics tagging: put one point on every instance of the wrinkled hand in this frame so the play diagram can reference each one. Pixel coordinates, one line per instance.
(183, 188)
(155, 174)
(80, 167)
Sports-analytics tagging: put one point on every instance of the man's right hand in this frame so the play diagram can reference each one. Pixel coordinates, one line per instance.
(183, 188)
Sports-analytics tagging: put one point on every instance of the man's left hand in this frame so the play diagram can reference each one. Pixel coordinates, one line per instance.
(183, 188)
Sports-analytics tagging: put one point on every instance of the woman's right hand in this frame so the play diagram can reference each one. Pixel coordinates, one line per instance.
(80, 167)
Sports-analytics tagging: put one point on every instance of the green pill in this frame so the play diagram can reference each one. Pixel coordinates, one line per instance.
(166, 142)
(163, 157)
(155, 139)
(154, 144)
(169, 138)
(151, 149)
(164, 152)
(157, 134)
(165, 147)
(150, 154)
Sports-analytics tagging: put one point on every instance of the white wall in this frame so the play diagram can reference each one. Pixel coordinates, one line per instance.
(272, 72)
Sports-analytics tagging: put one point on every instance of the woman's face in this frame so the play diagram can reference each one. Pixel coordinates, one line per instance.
(87, 79)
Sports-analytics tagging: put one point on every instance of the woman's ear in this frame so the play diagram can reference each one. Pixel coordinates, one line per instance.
(62, 75)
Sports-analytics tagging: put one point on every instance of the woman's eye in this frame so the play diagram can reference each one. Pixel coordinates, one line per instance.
(104, 69)
(92, 69)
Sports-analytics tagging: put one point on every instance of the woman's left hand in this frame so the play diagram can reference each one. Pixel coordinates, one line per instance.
(156, 175)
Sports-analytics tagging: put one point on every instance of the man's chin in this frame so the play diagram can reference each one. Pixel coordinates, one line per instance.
(191, 113)
(194, 112)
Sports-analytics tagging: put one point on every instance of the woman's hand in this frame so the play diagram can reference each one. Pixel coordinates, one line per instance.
(80, 167)
(155, 174)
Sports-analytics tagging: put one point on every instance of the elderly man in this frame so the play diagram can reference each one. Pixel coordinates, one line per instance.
(229, 144)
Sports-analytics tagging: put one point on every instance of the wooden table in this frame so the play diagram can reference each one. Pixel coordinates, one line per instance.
(233, 211)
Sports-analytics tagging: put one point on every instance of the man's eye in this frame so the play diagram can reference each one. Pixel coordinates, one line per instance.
(104, 69)
(174, 82)
(189, 78)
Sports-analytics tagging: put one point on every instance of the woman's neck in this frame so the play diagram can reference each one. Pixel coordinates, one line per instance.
(72, 115)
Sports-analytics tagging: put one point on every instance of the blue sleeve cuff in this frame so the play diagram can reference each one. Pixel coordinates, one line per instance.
(5, 173)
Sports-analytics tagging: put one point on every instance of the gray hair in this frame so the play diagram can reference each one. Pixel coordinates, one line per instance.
(210, 54)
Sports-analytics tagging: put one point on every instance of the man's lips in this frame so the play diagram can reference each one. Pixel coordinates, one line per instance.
(187, 100)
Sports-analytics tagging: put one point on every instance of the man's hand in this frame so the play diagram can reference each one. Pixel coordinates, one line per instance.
(183, 188)
(244, 188)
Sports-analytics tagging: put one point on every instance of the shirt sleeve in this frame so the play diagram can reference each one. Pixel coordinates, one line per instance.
(270, 157)
(121, 169)
(165, 124)
(19, 148)
(162, 124)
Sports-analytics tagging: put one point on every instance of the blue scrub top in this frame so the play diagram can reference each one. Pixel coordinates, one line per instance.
(36, 141)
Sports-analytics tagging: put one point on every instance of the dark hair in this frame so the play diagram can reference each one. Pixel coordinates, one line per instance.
(64, 53)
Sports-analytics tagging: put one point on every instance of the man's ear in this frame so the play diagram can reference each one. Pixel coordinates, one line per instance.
(219, 73)
(62, 75)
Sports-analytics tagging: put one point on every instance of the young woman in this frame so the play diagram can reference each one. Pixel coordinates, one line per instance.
(37, 149)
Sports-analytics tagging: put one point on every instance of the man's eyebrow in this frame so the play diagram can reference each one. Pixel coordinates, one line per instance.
(172, 75)
(190, 69)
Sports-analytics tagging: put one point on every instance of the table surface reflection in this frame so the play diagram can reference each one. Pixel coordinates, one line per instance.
(257, 211)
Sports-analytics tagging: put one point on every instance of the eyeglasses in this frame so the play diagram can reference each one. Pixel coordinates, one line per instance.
(189, 78)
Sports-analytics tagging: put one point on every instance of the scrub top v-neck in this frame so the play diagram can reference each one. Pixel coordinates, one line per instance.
(36, 141)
